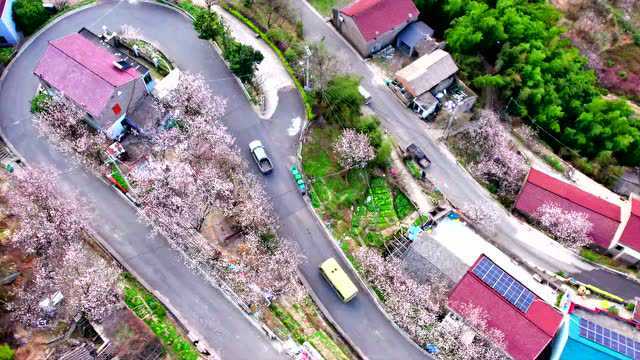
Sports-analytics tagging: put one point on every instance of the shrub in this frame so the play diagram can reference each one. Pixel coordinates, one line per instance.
(554, 163)
(630, 306)
(29, 15)
(5, 55)
(208, 25)
(613, 310)
(6, 353)
(243, 59)
(38, 101)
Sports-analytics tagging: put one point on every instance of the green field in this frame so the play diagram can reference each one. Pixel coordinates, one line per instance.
(324, 6)
(357, 203)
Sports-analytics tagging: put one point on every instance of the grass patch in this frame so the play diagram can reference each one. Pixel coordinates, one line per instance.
(154, 314)
(605, 260)
(188, 6)
(379, 293)
(421, 220)
(321, 339)
(289, 322)
(5, 55)
(413, 168)
(324, 6)
(346, 248)
(554, 162)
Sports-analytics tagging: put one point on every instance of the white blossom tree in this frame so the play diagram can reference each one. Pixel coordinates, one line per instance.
(570, 228)
(48, 223)
(87, 281)
(486, 343)
(482, 214)
(353, 149)
(62, 122)
(495, 157)
(192, 97)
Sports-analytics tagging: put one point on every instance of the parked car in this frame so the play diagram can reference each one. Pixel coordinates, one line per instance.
(260, 156)
(365, 94)
(418, 155)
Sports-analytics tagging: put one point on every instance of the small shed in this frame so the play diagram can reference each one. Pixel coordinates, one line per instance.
(412, 35)
(427, 72)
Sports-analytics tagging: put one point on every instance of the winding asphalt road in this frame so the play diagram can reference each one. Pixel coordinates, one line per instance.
(201, 306)
(510, 235)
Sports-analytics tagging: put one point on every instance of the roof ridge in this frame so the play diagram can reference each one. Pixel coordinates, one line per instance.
(553, 178)
(79, 63)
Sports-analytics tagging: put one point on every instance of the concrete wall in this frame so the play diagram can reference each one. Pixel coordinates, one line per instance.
(127, 96)
(7, 26)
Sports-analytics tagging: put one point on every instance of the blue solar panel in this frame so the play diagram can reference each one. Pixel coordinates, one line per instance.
(510, 289)
(610, 339)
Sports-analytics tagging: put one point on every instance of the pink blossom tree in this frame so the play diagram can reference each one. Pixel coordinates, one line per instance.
(353, 149)
(413, 306)
(63, 123)
(417, 308)
(571, 228)
(495, 158)
(48, 223)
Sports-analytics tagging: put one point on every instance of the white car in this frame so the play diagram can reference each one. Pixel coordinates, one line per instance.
(260, 156)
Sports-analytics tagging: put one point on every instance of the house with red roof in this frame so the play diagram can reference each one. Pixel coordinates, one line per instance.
(616, 228)
(97, 77)
(370, 25)
(9, 34)
(528, 323)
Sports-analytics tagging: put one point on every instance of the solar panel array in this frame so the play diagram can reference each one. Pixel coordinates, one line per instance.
(510, 289)
(610, 339)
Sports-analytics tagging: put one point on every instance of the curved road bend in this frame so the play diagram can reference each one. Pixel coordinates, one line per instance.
(456, 183)
(204, 308)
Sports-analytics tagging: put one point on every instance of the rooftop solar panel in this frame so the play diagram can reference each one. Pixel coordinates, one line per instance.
(610, 339)
(510, 289)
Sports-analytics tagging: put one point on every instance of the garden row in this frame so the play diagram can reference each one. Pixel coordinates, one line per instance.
(154, 314)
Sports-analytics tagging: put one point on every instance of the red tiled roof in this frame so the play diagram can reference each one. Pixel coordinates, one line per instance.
(631, 234)
(540, 188)
(83, 71)
(526, 334)
(376, 17)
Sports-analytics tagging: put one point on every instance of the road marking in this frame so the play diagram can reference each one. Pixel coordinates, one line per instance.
(294, 129)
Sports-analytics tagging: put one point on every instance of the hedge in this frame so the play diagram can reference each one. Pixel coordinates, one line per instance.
(308, 101)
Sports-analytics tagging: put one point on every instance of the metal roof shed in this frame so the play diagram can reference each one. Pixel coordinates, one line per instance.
(412, 35)
(426, 72)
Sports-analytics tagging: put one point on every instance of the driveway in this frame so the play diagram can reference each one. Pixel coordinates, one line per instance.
(513, 236)
(202, 306)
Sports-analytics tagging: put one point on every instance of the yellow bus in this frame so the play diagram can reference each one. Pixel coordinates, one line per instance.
(338, 279)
